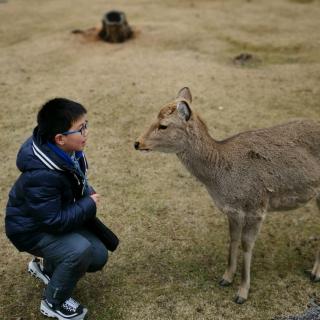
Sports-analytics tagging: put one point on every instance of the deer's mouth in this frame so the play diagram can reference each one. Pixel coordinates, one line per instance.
(140, 147)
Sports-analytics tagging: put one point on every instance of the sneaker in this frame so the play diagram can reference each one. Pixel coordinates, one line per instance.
(70, 309)
(35, 268)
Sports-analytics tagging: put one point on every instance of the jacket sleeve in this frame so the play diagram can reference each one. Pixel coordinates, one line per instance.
(44, 203)
(90, 190)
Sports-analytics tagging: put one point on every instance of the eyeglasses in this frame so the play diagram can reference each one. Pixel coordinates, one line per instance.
(82, 130)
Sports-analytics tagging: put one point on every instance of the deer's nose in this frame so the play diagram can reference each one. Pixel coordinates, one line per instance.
(136, 145)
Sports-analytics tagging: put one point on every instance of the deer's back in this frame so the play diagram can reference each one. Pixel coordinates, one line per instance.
(299, 133)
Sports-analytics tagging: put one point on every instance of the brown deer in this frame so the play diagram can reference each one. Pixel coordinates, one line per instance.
(246, 175)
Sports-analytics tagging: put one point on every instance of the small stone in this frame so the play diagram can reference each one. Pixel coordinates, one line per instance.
(245, 58)
(199, 309)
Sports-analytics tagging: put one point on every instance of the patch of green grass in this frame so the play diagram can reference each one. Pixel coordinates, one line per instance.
(302, 1)
(267, 53)
(263, 48)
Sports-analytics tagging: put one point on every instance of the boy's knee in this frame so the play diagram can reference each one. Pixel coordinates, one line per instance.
(99, 261)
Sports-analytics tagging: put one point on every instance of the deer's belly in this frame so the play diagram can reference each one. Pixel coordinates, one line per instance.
(290, 201)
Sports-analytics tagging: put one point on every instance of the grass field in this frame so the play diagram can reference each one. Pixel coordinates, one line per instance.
(173, 240)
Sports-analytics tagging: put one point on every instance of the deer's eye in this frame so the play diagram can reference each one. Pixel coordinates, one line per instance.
(162, 127)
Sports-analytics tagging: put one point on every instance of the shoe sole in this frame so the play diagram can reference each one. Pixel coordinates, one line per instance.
(35, 273)
(51, 314)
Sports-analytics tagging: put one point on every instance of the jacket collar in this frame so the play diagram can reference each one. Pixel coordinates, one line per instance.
(49, 163)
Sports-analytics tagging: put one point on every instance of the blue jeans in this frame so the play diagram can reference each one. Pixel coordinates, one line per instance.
(67, 258)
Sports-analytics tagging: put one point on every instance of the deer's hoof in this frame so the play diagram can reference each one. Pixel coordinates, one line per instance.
(224, 283)
(239, 300)
(314, 278)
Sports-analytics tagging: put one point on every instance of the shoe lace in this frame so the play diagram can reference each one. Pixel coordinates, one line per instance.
(71, 305)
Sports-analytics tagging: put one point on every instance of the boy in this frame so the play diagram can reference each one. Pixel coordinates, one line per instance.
(52, 208)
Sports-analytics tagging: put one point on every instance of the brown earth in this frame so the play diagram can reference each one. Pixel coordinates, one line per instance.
(173, 240)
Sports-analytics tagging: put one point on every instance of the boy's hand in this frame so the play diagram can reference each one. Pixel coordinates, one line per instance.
(95, 197)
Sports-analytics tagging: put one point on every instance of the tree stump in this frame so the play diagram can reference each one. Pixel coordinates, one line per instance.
(115, 27)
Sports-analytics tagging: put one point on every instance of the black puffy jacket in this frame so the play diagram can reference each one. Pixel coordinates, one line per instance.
(47, 197)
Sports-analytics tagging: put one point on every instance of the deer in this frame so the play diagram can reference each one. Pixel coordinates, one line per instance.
(247, 175)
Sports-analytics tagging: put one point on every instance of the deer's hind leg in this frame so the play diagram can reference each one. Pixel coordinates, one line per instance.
(315, 273)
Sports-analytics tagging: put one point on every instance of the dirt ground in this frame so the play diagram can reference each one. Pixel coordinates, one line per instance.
(173, 240)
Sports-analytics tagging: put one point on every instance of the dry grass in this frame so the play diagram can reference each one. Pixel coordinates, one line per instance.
(173, 240)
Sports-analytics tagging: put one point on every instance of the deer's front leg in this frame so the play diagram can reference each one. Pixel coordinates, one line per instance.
(250, 232)
(235, 227)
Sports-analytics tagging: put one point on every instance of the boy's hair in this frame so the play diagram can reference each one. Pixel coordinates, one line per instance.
(57, 116)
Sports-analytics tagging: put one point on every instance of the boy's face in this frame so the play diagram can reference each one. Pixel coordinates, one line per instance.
(76, 141)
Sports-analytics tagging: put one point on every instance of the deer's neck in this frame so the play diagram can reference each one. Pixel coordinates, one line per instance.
(202, 155)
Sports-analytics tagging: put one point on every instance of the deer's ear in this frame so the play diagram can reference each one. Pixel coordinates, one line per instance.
(184, 110)
(185, 93)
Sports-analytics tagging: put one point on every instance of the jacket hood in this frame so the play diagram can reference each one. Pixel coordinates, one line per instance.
(35, 154)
